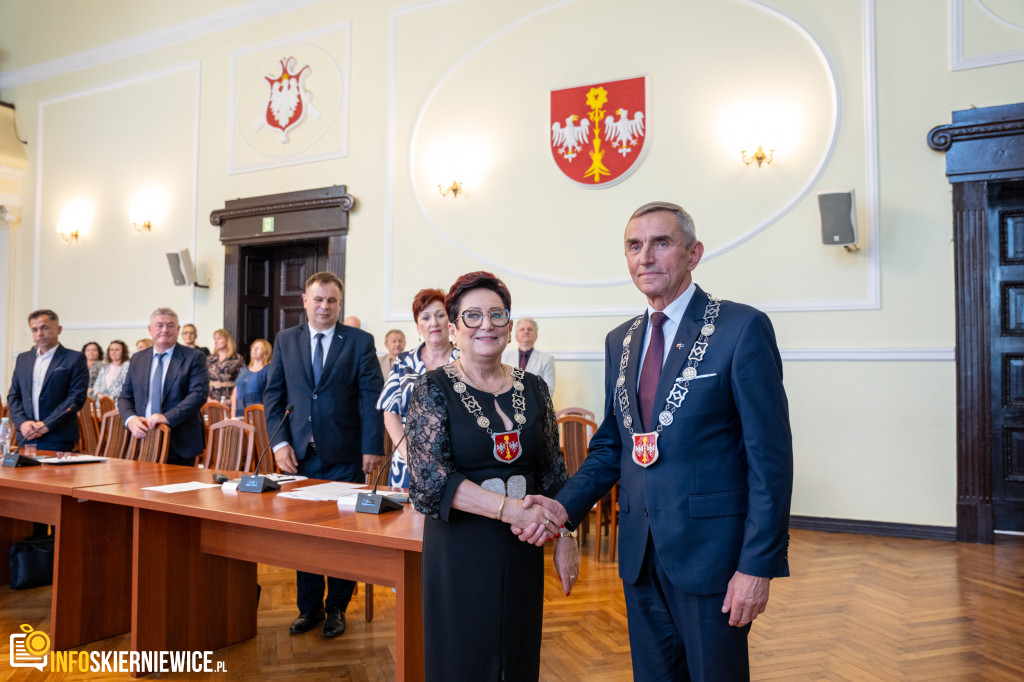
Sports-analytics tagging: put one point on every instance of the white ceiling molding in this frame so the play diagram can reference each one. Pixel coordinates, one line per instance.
(154, 40)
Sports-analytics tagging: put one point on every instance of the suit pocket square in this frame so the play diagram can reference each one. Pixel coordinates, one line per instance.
(59, 369)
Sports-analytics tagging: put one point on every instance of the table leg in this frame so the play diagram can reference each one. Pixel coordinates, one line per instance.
(409, 619)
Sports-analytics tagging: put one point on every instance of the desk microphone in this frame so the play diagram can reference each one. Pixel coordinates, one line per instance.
(15, 459)
(371, 502)
(256, 483)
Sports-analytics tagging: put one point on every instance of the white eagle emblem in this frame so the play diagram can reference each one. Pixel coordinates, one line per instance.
(624, 133)
(569, 139)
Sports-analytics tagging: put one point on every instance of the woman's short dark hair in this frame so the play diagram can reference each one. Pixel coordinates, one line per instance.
(99, 349)
(475, 280)
(422, 299)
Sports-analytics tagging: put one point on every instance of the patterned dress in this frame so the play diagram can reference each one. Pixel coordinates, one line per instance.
(483, 589)
(223, 375)
(395, 398)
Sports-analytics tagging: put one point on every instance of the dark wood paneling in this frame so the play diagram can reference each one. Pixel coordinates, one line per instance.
(880, 528)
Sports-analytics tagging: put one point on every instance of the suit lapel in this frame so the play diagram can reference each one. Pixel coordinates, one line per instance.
(306, 353)
(636, 346)
(686, 334)
(174, 364)
(334, 352)
(58, 356)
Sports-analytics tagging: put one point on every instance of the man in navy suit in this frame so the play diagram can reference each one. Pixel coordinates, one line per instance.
(49, 387)
(167, 384)
(329, 373)
(696, 429)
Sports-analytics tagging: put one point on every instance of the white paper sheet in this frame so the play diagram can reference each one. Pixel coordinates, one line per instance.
(182, 487)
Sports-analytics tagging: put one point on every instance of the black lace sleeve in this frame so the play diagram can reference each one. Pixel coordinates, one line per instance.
(552, 473)
(429, 448)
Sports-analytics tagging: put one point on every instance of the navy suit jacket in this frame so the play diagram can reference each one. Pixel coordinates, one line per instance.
(340, 412)
(186, 387)
(65, 386)
(717, 499)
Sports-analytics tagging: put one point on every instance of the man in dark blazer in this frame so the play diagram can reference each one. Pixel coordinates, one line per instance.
(700, 441)
(329, 373)
(49, 387)
(167, 384)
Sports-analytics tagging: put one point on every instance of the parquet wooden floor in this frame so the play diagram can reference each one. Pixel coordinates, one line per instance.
(859, 608)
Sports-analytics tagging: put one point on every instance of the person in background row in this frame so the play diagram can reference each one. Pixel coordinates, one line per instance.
(353, 321)
(167, 384)
(223, 366)
(435, 349)
(529, 358)
(394, 343)
(112, 373)
(143, 344)
(93, 358)
(48, 388)
(188, 339)
(252, 380)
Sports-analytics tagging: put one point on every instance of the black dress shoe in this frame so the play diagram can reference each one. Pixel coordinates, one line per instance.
(306, 622)
(334, 626)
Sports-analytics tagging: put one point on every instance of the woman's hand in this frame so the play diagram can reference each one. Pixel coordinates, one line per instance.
(519, 516)
(567, 562)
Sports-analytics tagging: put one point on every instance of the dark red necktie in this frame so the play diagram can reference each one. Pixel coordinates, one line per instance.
(651, 371)
(522, 359)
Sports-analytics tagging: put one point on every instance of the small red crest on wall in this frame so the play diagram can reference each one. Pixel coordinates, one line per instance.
(598, 131)
(288, 101)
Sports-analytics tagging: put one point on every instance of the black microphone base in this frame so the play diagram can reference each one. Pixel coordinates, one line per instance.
(372, 503)
(13, 459)
(257, 484)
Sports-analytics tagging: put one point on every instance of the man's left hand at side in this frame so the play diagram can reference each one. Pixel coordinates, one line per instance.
(371, 462)
(745, 598)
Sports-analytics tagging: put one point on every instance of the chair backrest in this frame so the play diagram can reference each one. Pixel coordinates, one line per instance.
(213, 412)
(106, 404)
(152, 448)
(113, 440)
(88, 433)
(575, 432)
(230, 446)
(575, 410)
(256, 417)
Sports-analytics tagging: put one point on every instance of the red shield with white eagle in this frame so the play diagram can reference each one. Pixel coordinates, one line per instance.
(598, 131)
(506, 447)
(645, 448)
(288, 98)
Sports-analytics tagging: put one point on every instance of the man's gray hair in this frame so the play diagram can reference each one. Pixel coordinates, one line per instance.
(163, 311)
(683, 219)
(536, 327)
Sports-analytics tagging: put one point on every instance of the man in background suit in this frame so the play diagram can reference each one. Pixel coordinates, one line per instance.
(167, 384)
(329, 373)
(529, 358)
(696, 428)
(49, 387)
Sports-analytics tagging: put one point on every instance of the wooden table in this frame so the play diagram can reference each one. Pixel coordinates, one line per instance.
(92, 559)
(195, 555)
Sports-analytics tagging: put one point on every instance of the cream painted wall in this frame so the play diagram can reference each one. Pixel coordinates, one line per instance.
(874, 437)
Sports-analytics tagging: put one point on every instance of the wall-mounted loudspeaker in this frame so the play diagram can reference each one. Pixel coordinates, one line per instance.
(838, 219)
(182, 270)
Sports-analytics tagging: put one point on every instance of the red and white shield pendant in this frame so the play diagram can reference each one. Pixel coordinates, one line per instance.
(645, 448)
(506, 447)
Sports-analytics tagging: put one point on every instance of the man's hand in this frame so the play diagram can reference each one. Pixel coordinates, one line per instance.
(537, 534)
(286, 462)
(30, 429)
(371, 462)
(138, 426)
(745, 598)
(157, 419)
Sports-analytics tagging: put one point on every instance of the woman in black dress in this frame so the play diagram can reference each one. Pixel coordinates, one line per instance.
(482, 435)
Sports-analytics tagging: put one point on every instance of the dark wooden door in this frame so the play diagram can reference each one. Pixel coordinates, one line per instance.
(1006, 286)
(272, 282)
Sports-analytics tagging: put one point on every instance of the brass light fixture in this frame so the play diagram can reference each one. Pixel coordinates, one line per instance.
(67, 232)
(758, 156)
(455, 189)
(144, 226)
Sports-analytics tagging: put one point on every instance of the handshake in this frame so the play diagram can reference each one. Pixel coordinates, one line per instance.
(543, 519)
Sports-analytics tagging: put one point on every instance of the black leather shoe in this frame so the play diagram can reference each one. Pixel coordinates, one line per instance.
(334, 626)
(306, 622)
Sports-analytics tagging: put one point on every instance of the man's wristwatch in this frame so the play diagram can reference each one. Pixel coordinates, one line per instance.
(564, 533)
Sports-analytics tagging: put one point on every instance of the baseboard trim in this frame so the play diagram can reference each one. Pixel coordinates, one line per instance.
(882, 528)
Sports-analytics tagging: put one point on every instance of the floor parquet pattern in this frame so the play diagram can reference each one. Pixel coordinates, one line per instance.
(858, 608)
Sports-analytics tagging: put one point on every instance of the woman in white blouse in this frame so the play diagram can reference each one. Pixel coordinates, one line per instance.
(111, 375)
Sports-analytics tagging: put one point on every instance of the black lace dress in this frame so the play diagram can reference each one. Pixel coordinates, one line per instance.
(483, 589)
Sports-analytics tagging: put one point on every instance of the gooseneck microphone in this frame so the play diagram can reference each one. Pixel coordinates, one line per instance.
(371, 502)
(16, 459)
(257, 483)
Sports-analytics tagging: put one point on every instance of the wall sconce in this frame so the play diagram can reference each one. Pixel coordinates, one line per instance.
(455, 189)
(758, 156)
(75, 220)
(144, 226)
(67, 231)
(148, 206)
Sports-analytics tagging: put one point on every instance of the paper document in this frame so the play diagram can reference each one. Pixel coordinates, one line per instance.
(72, 459)
(325, 491)
(182, 487)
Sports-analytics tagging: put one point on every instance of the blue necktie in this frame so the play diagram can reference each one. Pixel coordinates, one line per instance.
(156, 388)
(318, 359)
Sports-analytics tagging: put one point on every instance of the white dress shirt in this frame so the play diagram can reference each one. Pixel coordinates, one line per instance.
(42, 364)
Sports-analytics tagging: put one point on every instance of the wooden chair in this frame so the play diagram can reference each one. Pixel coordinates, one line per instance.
(575, 432)
(213, 412)
(574, 410)
(113, 440)
(106, 404)
(230, 446)
(152, 448)
(256, 417)
(88, 430)
(370, 478)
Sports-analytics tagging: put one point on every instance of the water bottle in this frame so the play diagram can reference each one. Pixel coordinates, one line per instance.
(5, 436)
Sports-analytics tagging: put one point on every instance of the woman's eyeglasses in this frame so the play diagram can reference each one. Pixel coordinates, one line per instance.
(499, 317)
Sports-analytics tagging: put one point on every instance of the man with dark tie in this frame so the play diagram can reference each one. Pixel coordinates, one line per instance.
(49, 387)
(330, 375)
(167, 384)
(696, 429)
(529, 358)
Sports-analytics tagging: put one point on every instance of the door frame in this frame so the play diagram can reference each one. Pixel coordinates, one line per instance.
(313, 214)
(982, 146)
